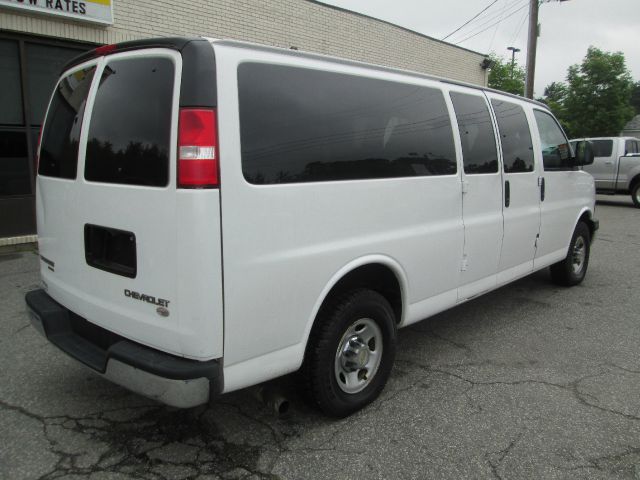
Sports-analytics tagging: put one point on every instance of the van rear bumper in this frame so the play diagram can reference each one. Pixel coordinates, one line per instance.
(172, 380)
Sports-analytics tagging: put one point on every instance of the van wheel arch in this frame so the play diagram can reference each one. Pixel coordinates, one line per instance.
(587, 219)
(368, 299)
(373, 276)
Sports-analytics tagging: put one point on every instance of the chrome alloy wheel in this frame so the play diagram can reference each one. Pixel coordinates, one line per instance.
(358, 356)
(578, 255)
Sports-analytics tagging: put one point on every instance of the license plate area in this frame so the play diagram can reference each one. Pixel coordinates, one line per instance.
(111, 250)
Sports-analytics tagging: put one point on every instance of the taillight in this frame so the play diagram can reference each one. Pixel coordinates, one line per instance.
(197, 148)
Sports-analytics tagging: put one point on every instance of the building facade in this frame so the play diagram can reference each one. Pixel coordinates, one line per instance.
(37, 37)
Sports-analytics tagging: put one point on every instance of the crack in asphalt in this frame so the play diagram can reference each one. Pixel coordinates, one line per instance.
(132, 442)
(501, 455)
(572, 387)
(143, 441)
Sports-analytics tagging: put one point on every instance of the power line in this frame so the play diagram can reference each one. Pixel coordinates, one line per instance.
(493, 24)
(490, 19)
(515, 36)
(495, 30)
(472, 18)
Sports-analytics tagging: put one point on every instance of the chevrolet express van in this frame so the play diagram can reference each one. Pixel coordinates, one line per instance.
(213, 214)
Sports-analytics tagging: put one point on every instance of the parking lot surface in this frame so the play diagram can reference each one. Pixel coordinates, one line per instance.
(529, 381)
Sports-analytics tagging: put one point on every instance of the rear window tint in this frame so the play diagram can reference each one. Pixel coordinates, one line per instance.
(602, 148)
(303, 125)
(130, 128)
(517, 148)
(61, 132)
(476, 133)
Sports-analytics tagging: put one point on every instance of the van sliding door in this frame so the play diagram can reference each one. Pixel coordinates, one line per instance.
(482, 194)
(521, 202)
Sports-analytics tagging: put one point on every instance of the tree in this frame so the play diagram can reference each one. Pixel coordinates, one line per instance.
(555, 95)
(502, 77)
(596, 101)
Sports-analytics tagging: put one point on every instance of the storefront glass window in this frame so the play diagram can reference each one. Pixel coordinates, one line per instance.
(14, 168)
(10, 92)
(44, 65)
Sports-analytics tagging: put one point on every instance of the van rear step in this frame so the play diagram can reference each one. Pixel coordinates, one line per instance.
(176, 381)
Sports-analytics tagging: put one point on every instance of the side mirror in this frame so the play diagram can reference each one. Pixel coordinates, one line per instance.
(584, 153)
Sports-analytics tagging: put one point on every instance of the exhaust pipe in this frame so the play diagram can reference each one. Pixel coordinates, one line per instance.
(272, 398)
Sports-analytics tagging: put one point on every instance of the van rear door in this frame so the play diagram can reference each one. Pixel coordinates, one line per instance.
(120, 244)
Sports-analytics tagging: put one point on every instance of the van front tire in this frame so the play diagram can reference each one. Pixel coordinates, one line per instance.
(350, 353)
(572, 270)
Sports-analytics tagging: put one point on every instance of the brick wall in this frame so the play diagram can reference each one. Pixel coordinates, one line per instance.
(304, 24)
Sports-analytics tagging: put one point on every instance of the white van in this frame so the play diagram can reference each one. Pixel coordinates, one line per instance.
(214, 214)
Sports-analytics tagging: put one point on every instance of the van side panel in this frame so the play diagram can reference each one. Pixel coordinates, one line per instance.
(283, 243)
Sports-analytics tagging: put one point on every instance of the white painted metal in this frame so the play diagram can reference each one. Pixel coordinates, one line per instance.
(522, 217)
(276, 237)
(178, 252)
(482, 217)
(567, 193)
(285, 246)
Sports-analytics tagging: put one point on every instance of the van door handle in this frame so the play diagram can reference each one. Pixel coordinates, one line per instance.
(507, 193)
(608, 163)
(542, 189)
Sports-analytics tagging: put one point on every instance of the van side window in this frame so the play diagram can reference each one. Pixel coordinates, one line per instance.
(130, 129)
(61, 132)
(476, 133)
(517, 148)
(304, 125)
(555, 147)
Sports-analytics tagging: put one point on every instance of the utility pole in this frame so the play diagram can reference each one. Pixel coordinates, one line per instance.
(532, 44)
(531, 48)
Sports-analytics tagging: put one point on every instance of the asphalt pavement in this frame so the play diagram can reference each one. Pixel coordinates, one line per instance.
(529, 381)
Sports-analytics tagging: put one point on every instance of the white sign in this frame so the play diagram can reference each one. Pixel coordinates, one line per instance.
(96, 11)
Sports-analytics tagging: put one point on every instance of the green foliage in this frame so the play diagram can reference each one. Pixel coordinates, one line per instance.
(596, 100)
(502, 77)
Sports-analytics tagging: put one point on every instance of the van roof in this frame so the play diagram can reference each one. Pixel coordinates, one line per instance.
(179, 43)
(604, 138)
(344, 61)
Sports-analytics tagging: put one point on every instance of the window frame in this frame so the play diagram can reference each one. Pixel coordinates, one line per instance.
(527, 120)
(492, 122)
(569, 167)
(365, 77)
(176, 60)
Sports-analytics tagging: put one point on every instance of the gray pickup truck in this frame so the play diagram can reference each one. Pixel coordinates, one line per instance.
(616, 166)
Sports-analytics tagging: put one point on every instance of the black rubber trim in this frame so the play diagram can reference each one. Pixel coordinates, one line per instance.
(94, 346)
(198, 87)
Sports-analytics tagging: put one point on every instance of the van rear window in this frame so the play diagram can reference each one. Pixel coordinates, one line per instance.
(303, 125)
(61, 131)
(130, 129)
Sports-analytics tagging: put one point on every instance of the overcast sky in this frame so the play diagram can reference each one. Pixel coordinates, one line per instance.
(567, 28)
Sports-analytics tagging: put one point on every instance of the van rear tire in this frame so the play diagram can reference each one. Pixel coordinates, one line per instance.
(350, 352)
(572, 270)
